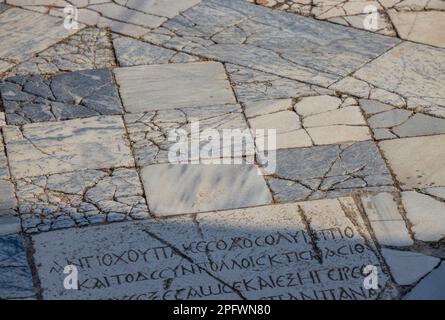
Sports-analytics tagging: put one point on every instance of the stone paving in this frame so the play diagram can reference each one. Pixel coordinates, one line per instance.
(357, 194)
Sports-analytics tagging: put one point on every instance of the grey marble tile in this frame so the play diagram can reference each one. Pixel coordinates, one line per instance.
(58, 147)
(79, 94)
(329, 171)
(15, 274)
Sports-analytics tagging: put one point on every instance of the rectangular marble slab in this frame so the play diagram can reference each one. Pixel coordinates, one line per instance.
(159, 87)
(189, 188)
(56, 147)
(312, 250)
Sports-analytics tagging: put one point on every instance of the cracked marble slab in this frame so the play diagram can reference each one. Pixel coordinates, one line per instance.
(58, 147)
(388, 122)
(425, 212)
(214, 256)
(15, 274)
(131, 52)
(316, 120)
(160, 87)
(329, 171)
(251, 85)
(344, 12)
(417, 162)
(152, 134)
(203, 187)
(80, 198)
(90, 48)
(283, 44)
(18, 44)
(403, 68)
(80, 94)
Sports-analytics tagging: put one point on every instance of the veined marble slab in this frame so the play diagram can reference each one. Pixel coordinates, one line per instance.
(57, 147)
(159, 87)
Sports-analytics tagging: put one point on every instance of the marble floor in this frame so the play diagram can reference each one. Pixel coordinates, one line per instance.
(348, 203)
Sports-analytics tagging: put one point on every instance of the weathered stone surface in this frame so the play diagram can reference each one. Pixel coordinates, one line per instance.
(402, 69)
(202, 187)
(7, 195)
(57, 147)
(329, 171)
(18, 43)
(347, 13)
(417, 162)
(151, 132)
(252, 85)
(388, 122)
(200, 256)
(164, 8)
(66, 96)
(425, 27)
(426, 215)
(147, 88)
(127, 15)
(80, 198)
(287, 45)
(131, 52)
(289, 133)
(9, 222)
(89, 48)
(4, 171)
(15, 275)
(431, 287)
(408, 267)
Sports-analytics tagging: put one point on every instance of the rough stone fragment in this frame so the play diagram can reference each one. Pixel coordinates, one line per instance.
(7, 195)
(159, 87)
(174, 245)
(46, 148)
(15, 275)
(417, 162)
(314, 105)
(165, 8)
(408, 267)
(202, 188)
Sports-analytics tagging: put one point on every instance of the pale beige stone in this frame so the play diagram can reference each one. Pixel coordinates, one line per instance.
(345, 116)
(338, 134)
(287, 126)
(417, 162)
(425, 27)
(165, 8)
(313, 105)
(262, 107)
